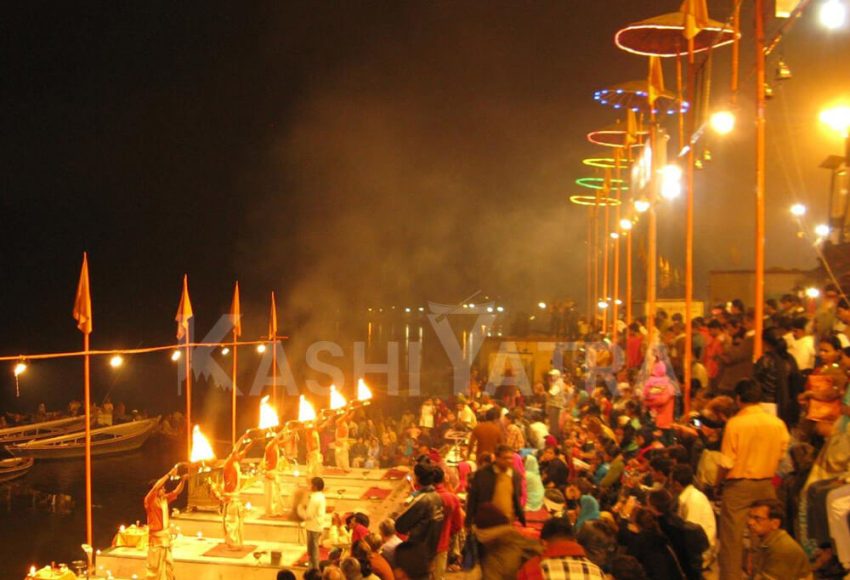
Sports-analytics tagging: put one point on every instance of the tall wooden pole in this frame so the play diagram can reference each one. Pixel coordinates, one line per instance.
(606, 237)
(651, 234)
(760, 179)
(615, 307)
(629, 276)
(589, 265)
(87, 381)
(595, 305)
(689, 231)
(188, 397)
(233, 373)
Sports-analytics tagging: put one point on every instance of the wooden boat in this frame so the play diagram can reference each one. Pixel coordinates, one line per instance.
(104, 441)
(14, 467)
(42, 430)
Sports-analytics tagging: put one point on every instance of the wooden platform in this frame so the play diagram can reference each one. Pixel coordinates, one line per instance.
(200, 530)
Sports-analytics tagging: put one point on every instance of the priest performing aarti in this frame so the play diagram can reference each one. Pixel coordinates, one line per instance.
(160, 562)
(228, 492)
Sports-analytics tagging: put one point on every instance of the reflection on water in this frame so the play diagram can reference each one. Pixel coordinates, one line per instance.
(42, 514)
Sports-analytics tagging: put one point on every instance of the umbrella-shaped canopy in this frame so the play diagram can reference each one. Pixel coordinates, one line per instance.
(664, 36)
(617, 136)
(634, 96)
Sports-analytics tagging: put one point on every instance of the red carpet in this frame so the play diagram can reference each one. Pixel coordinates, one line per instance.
(375, 493)
(394, 474)
(324, 553)
(222, 551)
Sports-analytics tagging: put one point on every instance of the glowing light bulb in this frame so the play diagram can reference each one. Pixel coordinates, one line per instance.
(671, 181)
(20, 368)
(116, 361)
(832, 14)
(175, 356)
(822, 230)
(798, 210)
(225, 351)
(625, 224)
(541, 305)
(722, 122)
(261, 348)
(641, 205)
(812, 292)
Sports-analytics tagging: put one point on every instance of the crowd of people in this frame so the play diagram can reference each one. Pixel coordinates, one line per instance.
(612, 480)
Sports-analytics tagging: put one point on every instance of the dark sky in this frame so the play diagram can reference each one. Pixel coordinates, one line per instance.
(344, 154)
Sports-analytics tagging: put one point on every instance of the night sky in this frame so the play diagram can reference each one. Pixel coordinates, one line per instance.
(345, 155)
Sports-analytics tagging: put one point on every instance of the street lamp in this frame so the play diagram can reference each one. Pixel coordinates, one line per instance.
(832, 14)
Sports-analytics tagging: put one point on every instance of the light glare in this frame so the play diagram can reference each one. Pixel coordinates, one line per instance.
(261, 348)
(798, 210)
(832, 14)
(175, 356)
(722, 122)
(625, 224)
(641, 205)
(671, 181)
(20, 368)
(116, 361)
(812, 292)
(837, 118)
(822, 230)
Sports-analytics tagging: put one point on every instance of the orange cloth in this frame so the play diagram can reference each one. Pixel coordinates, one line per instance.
(488, 436)
(753, 444)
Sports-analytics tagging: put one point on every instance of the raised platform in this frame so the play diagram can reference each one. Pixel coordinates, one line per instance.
(200, 530)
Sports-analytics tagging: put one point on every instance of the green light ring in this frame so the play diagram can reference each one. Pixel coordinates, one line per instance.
(599, 183)
(601, 162)
(592, 200)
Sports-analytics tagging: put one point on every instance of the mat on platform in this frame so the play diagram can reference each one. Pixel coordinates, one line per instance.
(394, 474)
(223, 551)
(324, 554)
(335, 471)
(376, 493)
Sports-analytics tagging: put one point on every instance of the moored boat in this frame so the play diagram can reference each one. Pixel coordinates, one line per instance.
(104, 441)
(14, 467)
(42, 430)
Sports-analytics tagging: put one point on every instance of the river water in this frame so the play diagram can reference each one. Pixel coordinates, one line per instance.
(42, 515)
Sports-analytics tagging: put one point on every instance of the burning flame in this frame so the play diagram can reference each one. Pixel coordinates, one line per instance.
(363, 392)
(337, 400)
(268, 414)
(201, 448)
(306, 412)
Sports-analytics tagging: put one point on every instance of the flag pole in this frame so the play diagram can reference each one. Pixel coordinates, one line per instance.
(87, 380)
(760, 179)
(184, 313)
(273, 340)
(83, 315)
(235, 312)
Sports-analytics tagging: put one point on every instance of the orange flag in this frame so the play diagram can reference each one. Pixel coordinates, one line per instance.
(82, 303)
(695, 14)
(273, 320)
(184, 311)
(656, 80)
(236, 312)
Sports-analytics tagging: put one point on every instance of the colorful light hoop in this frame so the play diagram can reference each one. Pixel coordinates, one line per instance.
(597, 138)
(601, 162)
(590, 183)
(592, 200)
(609, 97)
(677, 33)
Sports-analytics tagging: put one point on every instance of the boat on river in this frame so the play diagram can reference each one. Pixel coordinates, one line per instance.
(14, 467)
(41, 430)
(104, 441)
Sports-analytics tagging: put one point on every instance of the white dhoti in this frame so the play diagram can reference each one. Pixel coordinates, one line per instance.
(274, 503)
(233, 516)
(314, 462)
(160, 562)
(341, 456)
